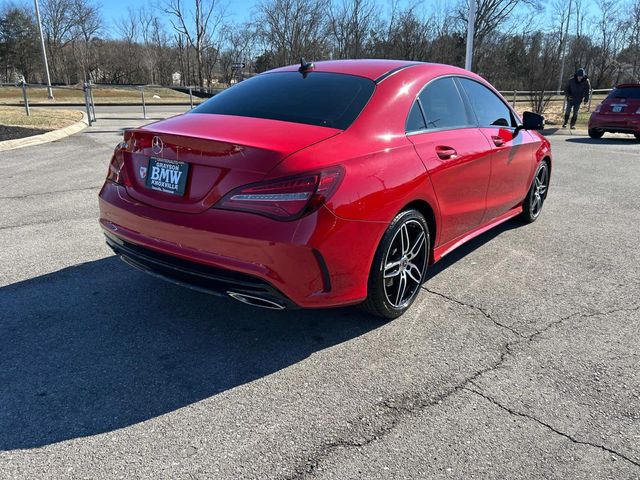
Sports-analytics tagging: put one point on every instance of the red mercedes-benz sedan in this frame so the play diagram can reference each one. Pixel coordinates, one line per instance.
(618, 113)
(323, 185)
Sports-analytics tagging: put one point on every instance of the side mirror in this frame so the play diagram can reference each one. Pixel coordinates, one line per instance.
(530, 121)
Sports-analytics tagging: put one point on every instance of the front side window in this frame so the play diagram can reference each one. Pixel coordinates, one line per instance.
(443, 106)
(489, 109)
(316, 98)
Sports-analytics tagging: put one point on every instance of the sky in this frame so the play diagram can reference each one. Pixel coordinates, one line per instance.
(114, 9)
(237, 10)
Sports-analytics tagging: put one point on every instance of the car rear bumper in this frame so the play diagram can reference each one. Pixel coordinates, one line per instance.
(615, 123)
(318, 261)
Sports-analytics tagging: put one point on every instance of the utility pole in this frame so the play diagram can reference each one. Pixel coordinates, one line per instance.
(471, 23)
(44, 52)
(562, 48)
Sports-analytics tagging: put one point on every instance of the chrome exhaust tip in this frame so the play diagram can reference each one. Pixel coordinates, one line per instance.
(256, 301)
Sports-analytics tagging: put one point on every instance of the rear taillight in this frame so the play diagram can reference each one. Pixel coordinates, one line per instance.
(285, 198)
(116, 172)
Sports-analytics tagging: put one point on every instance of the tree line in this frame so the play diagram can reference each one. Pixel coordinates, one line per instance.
(520, 44)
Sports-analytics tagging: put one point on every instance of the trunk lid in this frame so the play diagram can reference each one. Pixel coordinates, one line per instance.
(222, 152)
(620, 106)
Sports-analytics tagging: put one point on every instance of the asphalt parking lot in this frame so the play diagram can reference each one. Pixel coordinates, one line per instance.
(520, 358)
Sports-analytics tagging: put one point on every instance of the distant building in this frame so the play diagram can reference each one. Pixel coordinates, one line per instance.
(175, 78)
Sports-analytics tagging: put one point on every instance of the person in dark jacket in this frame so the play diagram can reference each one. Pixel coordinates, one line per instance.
(576, 90)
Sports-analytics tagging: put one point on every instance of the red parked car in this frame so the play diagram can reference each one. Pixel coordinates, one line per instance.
(618, 113)
(324, 185)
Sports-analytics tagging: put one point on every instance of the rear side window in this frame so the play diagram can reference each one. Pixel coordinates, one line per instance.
(318, 98)
(415, 120)
(443, 107)
(625, 92)
(488, 107)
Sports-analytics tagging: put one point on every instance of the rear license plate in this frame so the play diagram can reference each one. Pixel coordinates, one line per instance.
(168, 176)
(617, 109)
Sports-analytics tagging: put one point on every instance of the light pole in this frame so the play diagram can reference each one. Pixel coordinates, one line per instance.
(471, 23)
(44, 52)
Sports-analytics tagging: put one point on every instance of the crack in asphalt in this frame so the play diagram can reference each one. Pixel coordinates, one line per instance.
(479, 309)
(388, 413)
(516, 413)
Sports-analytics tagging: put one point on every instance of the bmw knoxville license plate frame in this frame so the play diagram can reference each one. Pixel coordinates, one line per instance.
(167, 176)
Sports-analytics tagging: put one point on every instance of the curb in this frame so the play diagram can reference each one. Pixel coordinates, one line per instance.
(45, 137)
(564, 131)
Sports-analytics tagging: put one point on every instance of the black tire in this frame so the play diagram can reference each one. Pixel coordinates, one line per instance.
(534, 201)
(596, 133)
(393, 255)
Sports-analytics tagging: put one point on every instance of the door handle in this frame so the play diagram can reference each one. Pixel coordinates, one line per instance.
(498, 141)
(446, 153)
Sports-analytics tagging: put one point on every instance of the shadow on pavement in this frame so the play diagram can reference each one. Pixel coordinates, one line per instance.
(604, 141)
(100, 346)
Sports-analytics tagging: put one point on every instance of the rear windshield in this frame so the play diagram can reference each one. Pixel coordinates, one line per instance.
(625, 92)
(324, 99)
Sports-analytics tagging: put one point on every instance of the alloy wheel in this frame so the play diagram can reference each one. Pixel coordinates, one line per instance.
(540, 186)
(404, 263)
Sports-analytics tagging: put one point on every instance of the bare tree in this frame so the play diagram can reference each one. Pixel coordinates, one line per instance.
(491, 16)
(291, 29)
(350, 23)
(238, 46)
(58, 23)
(87, 25)
(198, 25)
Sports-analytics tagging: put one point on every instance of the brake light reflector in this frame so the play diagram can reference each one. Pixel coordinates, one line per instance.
(116, 172)
(284, 199)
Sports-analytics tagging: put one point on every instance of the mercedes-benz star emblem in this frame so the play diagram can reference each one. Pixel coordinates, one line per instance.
(157, 145)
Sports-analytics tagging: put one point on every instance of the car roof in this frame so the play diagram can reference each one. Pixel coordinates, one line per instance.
(373, 69)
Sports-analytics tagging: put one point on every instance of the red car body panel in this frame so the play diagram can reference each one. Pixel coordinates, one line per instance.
(624, 120)
(384, 171)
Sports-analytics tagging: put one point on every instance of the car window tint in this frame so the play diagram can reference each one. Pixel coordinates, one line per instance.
(489, 109)
(443, 107)
(625, 92)
(415, 120)
(317, 98)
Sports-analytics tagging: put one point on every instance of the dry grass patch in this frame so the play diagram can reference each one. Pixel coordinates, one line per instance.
(14, 122)
(38, 95)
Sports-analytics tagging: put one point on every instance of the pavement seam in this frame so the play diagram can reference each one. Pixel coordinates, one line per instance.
(45, 222)
(516, 413)
(54, 192)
